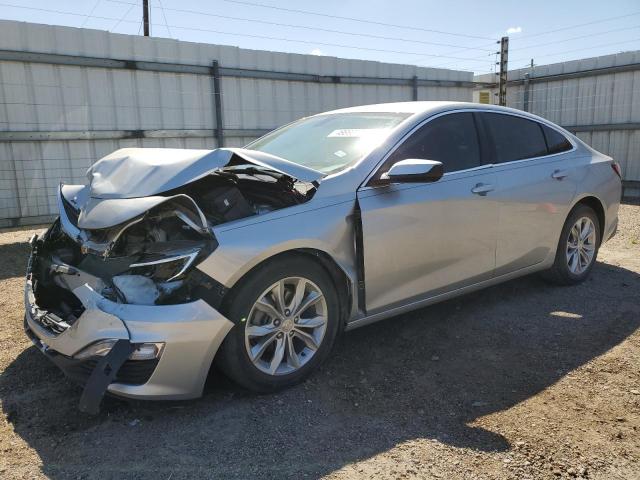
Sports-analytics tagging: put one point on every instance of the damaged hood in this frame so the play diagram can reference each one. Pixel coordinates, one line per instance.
(143, 172)
(131, 181)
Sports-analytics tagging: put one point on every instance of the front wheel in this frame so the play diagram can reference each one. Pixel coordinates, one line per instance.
(577, 248)
(286, 317)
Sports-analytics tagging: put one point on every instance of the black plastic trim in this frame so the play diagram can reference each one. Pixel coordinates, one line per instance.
(359, 244)
(206, 288)
(102, 376)
(487, 148)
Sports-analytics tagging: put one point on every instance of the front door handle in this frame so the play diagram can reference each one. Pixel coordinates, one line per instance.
(482, 189)
(559, 174)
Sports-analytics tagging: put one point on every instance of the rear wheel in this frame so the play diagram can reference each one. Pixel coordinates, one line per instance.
(286, 317)
(577, 248)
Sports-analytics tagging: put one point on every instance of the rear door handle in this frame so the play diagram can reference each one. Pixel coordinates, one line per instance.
(559, 174)
(482, 189)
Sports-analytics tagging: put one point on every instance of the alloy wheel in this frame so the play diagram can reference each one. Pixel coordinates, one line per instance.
(286, 326)
(581, 245)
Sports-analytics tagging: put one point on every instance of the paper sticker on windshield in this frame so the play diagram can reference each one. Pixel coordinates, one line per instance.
(355, 132)
(340, 153)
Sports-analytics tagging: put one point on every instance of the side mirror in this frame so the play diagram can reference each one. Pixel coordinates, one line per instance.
(414, 170)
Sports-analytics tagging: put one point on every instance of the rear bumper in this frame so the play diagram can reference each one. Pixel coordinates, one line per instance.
(191, 332)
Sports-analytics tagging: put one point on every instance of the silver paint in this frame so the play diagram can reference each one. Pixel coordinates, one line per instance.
(423, 243)
(431, 241)
(143, 172)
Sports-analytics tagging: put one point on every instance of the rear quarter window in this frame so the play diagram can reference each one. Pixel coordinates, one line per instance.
(556, 142)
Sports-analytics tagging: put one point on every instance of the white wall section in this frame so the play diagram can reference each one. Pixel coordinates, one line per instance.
(597, 98)
(102, 109)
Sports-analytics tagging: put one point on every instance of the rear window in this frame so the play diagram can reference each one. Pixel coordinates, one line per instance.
(556, 142)
(515, 138)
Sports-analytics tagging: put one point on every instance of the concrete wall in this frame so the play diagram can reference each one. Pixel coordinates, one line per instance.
(175, 109)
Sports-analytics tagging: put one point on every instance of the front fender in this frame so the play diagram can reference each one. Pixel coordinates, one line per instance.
(328, 229)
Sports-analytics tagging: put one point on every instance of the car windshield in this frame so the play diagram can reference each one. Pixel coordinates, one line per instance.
(328, 143)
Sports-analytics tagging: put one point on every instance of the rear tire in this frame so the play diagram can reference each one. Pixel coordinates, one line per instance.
(577, 248)
(269, 326)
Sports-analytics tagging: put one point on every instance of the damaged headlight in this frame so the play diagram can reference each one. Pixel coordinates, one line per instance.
(143, 351)
(147, 281)
(164, 269)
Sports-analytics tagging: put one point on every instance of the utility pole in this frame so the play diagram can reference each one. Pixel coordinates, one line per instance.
(527, 89)
(145, 17)
(502, 84)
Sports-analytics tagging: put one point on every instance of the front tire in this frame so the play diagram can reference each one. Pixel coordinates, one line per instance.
(577, 248)
(287, 317)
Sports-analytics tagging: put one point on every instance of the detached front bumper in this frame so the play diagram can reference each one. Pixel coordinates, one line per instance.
(191, 332)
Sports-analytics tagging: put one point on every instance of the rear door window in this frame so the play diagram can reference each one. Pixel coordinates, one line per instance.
(515, 138)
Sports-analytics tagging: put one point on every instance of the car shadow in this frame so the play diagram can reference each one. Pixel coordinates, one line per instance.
(428, 374)
(16, 255)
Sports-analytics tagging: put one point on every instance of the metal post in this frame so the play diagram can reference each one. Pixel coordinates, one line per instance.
(504, 55)
(527, 88)
(16, 185)
(217, 104)
(414, 85)
(145, 17)
(525, 100)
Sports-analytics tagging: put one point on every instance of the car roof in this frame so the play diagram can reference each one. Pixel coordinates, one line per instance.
(423, 107)
(402, 107)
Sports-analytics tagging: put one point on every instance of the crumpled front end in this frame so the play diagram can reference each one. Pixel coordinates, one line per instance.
(113, 295)
(140, 351)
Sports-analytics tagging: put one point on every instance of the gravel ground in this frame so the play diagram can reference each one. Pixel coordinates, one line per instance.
(522, 380)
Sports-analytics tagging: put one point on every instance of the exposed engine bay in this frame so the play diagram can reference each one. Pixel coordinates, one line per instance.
(149, 258)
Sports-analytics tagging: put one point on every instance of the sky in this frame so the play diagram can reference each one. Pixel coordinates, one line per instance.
(456, 34)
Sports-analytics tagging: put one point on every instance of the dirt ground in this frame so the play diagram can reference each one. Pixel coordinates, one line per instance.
(523, 380)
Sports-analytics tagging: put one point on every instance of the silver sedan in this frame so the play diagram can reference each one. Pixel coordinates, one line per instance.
(169, 261)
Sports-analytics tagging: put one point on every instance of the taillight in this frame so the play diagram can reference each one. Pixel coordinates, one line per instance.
(616, 168)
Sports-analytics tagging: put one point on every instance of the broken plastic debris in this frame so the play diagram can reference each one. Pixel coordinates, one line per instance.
(137, 289)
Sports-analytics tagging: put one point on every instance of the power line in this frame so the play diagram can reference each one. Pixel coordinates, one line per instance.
(262, 37)
(576, 25)
(527, 47)
(315, 43)
(352, 19)
(571, 51)
(88, 16)
(305, 27)
(165, 18)
(582, 49)
(122, 19)
(569, 27)
(635, 27)
(48, 10)
(473, 59)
